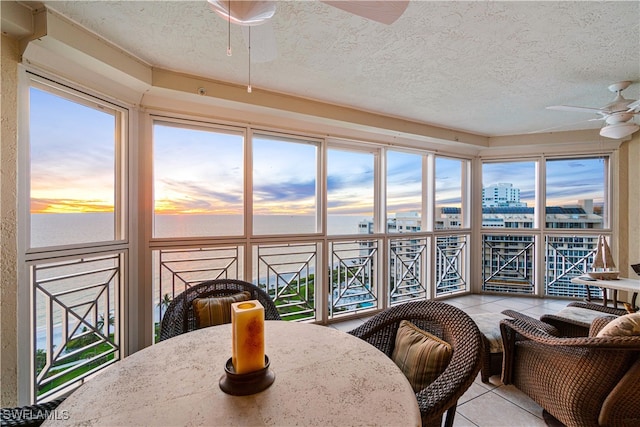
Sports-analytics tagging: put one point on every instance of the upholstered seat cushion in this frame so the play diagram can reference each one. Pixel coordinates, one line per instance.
(421, 356)
(580, 314)
(212, 311)
(489, 325)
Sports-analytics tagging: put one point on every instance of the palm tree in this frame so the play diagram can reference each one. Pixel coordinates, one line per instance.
(164, 304)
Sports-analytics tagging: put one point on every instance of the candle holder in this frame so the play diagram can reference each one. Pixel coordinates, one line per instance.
(246, 384)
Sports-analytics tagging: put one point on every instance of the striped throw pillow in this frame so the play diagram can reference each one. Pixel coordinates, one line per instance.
(214, 311)
(421, 356)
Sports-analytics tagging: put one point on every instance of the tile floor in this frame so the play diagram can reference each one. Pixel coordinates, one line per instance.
(482, 402)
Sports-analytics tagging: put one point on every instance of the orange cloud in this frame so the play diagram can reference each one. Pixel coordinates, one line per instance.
(69, 206)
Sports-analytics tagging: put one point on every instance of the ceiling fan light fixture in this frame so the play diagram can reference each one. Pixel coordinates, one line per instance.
(619, 130)
(241, 12)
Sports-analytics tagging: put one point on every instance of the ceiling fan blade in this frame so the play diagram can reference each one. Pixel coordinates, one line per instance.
(577, 109)
(565, 125)
(634, 107)
(263, 42)
(385, 12)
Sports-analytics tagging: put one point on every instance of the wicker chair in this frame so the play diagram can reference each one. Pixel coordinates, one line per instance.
(179, 317)
(30, 415)
(448, 323)
(580, 381)
(568, 327)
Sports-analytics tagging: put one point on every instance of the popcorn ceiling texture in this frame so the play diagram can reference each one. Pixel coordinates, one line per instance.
(488, 68)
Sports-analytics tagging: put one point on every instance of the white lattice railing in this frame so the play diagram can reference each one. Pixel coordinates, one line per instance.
(353, 285)
(407, 269)
(287, 273)
(451, 253)
(77, 319)
(508, 263)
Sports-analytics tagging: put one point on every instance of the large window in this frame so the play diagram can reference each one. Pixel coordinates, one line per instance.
(448, 197)
(404, 192)
(525, 251)
(73, 185)
(350, 192)
(198, 176)
(285, 185)
(75, 237)
(575, 193)
(509, 195)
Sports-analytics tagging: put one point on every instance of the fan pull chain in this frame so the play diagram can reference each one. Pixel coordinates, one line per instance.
(229, 28)
(249, 87)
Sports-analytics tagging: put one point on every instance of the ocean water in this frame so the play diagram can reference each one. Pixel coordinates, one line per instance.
(78, 228)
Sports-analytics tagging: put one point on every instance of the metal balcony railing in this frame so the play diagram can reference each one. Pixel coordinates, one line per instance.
(77, 318)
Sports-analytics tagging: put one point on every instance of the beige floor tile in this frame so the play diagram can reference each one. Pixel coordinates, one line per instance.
(475, 390)
(517, 305)
(490, 409)
(517, 397)
(461, 421)
(494, 381)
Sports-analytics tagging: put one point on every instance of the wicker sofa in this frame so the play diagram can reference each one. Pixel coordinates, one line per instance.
(580, 381)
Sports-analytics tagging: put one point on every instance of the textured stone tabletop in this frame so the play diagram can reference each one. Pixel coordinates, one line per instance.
(324, 377)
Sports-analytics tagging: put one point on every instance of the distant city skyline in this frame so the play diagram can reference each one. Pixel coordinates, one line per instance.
(73, 153)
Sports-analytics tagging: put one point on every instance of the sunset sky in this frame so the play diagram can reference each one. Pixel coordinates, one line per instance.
(199, 171)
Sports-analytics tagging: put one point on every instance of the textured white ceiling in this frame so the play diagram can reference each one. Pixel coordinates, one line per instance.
(488, 68)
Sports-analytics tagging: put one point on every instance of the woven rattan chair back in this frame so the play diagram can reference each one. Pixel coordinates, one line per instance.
(446, 322)
(179, 317)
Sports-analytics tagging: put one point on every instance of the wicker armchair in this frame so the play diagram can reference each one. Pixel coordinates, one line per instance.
(568, 327)
(30, 415)
(448, 323)
(179, 317)
(580, 381)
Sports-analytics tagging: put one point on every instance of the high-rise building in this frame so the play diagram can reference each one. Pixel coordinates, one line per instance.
(501, 195)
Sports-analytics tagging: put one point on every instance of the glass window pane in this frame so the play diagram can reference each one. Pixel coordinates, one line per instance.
(508, 194)
(404, 192)
(284, 186)
(350, 192)
(72, 171)
(575, 193)
(198, 181)
(448, 193)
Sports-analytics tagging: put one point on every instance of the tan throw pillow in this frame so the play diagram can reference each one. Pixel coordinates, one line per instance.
(213, 311)
(624, 326)
(422, 357)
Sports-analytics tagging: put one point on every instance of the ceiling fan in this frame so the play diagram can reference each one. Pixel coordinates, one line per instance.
(617, 114)
(257, 13)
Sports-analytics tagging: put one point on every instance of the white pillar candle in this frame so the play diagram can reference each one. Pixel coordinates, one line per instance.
(247, 336)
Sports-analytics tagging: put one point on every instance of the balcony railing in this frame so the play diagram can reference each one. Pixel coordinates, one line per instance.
(568, 257)
(77, 319)
(508, 263)
(287, 273)
(407, 268)
(353, 272)
(178, 269)
(451, 253)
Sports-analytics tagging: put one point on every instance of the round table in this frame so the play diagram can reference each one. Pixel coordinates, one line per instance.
(324, 377)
